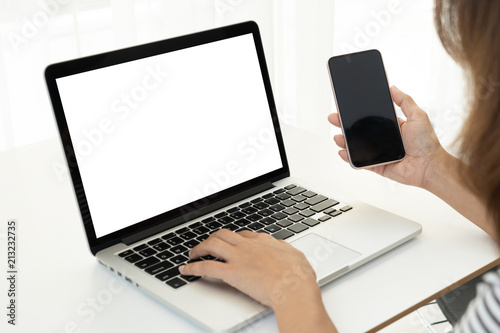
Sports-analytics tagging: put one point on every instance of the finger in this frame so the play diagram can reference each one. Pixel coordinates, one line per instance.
(339, 140)
(247, 234)
(227, 235)
(343, 155)
(213, 246)
(404, 101)
(401, 121)
(211, 268)
(334, 119)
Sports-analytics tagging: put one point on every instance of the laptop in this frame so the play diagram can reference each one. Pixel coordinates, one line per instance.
(170, 141)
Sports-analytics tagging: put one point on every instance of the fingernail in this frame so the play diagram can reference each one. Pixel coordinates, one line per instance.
(181, 268)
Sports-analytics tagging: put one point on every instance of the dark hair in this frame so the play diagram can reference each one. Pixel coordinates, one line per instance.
(470, 33)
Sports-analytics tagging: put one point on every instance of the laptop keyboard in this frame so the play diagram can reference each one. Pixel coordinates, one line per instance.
(283, 213)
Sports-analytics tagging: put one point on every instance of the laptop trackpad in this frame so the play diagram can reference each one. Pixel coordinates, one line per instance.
(328, 258)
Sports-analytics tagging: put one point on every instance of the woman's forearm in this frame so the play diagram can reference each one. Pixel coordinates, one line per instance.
(445, 180)
(303, 311)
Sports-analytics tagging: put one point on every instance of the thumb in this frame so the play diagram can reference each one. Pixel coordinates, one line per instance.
(404, 101)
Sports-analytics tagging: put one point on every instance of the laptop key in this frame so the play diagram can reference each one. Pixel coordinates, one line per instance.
(254, 217)
(201, 230)
(296, 190)
(290, 211)
(272, 228)
(226, 219)
(324, 218)
(261, 205)
(249, 210)
(242, 222)
(231, 227)
(299, 198)
(188, 235)
(175, 241)
(133, 258)
(310, 222)
(191, 243)
(267, 196)
(336, 213)
(208, 219)
(346, 208)
(147, 252)
(244, 205)
(279, 216)
(168, 236)
(178, 249)
(233, 210)
(289, 187)
(309, 194)
(316, 200)
(154, 241)
(329, 210)
(277, 207)
(155, 269)
(283, 196)
(140, 247)
(288, 203)
(161, 246)
(301, 206)
(324, 205)
(202, 237)
(284, 223)
(190, 278)
(299, 227)
(179, 259)
(182, 230)
(272, 201)
(176, 283)
(238, 215)
(165, 255)
(307, 213)
(214, 225)
(267, 220)
(282, 234)
(168, 274)
(296, 218)
(278, 191)
(256, 226)
(125, 253)
(147, 262)
(195, 225)
(266, 212)
(221, 214)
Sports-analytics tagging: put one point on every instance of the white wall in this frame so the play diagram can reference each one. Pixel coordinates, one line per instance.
(299, 36)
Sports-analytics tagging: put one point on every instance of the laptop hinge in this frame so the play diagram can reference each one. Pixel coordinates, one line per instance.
(196, 213)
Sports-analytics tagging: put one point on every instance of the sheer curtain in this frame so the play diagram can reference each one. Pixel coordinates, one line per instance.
(299, 36)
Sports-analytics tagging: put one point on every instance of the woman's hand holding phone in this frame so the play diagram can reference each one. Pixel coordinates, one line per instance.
(421, 143)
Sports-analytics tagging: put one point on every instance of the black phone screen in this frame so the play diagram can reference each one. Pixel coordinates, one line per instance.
(366, 110)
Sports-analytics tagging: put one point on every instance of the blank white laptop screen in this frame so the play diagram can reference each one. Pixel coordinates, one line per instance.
(157, 133)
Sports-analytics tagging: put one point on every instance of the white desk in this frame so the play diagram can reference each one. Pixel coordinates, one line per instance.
(61, 288)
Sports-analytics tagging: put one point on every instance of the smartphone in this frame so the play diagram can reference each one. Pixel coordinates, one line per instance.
(366, 110)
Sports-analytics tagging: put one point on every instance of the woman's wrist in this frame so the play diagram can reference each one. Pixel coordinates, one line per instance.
(302, 310)
(442, 169)
(445, 179)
